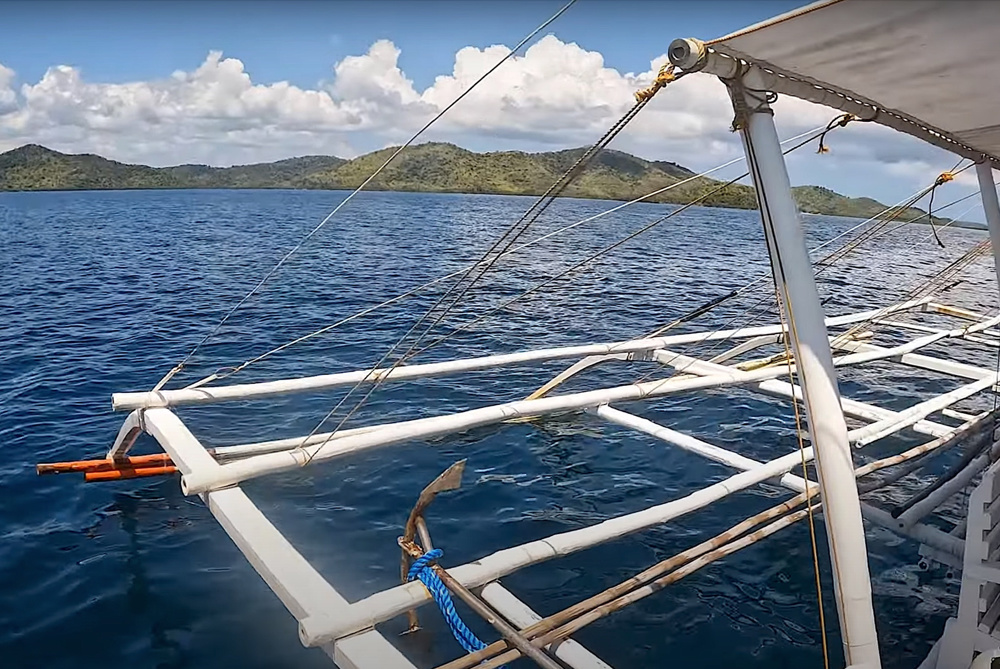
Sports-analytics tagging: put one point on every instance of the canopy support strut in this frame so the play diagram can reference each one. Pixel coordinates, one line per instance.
(827, 427)
(991, 207)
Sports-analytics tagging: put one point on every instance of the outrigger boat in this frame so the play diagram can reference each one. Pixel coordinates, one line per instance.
(921, 67)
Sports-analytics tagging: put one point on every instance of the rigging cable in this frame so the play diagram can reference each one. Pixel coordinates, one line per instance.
(897, 209)
(705, 308)
(177, 368)
(943, 178)
(226, 372)
(605, 250)
(511, 235)
(578, 265)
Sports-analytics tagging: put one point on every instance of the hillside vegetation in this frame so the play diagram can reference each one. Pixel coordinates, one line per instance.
(433, 167)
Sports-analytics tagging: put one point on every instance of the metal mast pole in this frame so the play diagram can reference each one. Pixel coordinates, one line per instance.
(814, 360)
(991, 207)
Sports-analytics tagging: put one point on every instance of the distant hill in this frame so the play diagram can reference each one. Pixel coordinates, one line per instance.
(34, 167)
(432, 167)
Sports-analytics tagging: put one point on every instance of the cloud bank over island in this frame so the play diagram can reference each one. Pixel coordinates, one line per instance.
(556, 95)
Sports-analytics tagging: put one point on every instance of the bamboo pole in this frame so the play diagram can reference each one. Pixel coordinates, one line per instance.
(962, 479)
(386, 604)
(560, 625)
(915, 455)
(510, 635)
(104, 464)
(123, 474)
(210, 394)
(644, 591)
(233, 473)
(278, 445)
(777, 388)
(689, 443)
(570, 652)
(907, 417)
(570, 613)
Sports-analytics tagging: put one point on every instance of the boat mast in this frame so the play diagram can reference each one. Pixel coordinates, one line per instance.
(991, 207)
(814, 361)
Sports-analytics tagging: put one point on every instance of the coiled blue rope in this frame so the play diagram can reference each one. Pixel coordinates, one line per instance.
(421, 569)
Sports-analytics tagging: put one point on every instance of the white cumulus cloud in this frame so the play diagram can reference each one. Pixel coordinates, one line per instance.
(556, 95)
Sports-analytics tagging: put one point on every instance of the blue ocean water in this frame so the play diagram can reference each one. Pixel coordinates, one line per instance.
(105, 291)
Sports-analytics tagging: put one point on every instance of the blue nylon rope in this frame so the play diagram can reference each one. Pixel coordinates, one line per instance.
(421, 569)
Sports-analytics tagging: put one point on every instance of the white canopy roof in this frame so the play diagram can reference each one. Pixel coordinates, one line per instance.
(930, 63)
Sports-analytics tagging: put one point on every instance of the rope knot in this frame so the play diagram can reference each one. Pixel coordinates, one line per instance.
(423, 562)
(944, 178)
(839, 122)
(423, 569)
(845, 119)
(665, 76)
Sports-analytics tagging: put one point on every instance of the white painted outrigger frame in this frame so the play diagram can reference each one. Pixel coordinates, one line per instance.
(346, 630)
(845, 532)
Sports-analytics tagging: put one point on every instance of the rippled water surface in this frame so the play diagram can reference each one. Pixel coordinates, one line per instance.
(105, 291)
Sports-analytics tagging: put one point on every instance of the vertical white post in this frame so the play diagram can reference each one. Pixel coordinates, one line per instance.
(827, 427)
(984, 171)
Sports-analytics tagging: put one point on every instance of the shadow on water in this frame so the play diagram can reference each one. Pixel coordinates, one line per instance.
(143, 601)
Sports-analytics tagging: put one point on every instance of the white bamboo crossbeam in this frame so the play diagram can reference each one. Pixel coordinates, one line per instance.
(366, 650)
(176, 439)
(299, 587)
(521, 615)
(276, 445)
(576, 368)
(876, 431)
(776, 388)
(992, 343)
(210, 394)
(389, 603)
(690, 365)
(930, 536)
(910, 416)
(746, 346)
(920, 361)
(903, 325)
(290, 576)
(983, 325)
(234, 472)
(692, 444)
(916, 327)
(961, 480)
(959, 415)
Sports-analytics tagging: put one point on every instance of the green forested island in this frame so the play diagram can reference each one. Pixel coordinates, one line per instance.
(433, 167)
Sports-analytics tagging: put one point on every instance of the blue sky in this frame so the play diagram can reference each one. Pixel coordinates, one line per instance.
(298, 41)
(167, 82)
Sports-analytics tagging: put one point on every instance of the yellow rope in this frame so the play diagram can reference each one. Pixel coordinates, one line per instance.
(663, 77)
(790, 331)
(839, 122)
